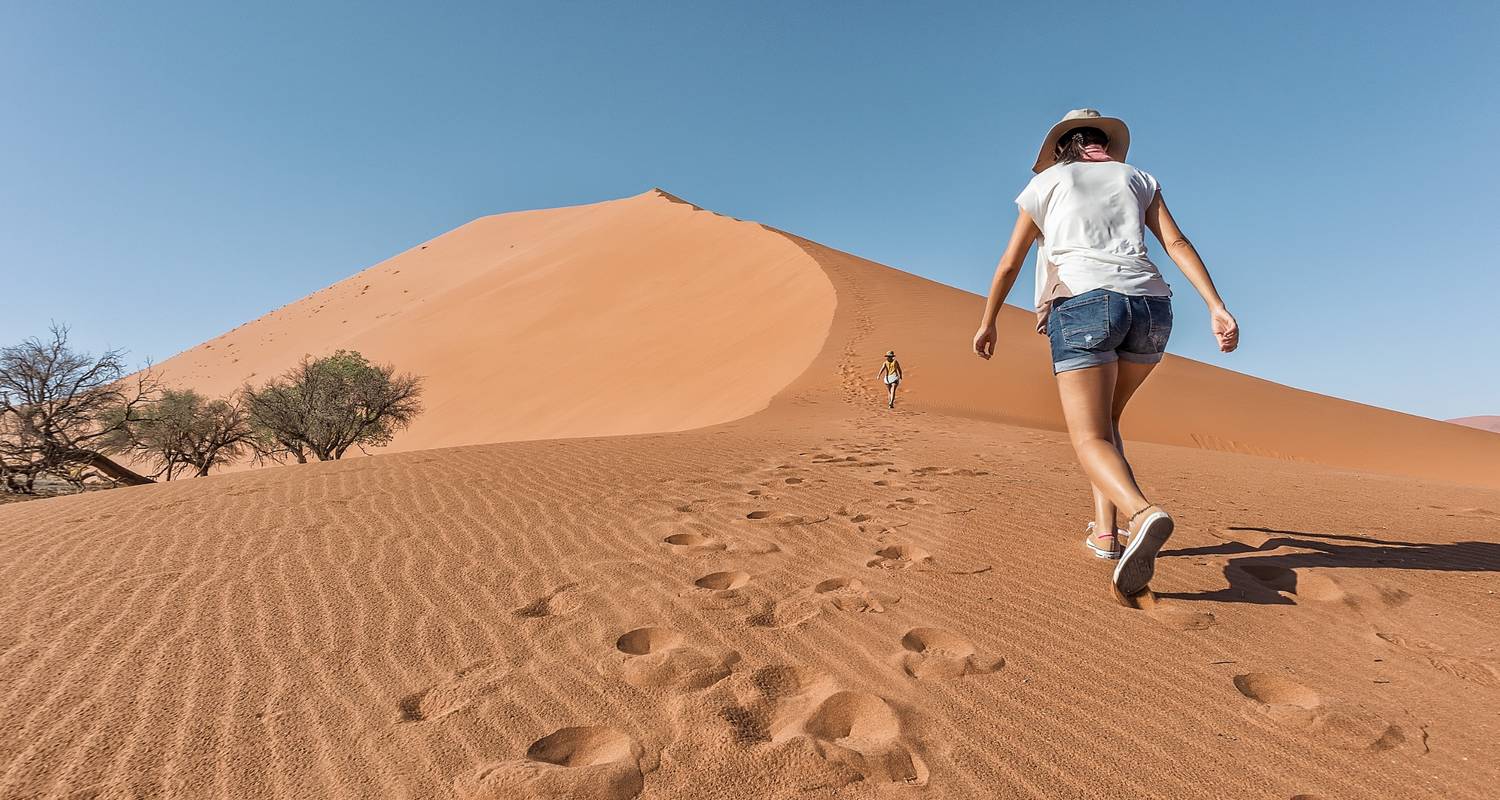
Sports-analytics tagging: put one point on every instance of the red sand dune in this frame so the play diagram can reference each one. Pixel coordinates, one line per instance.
(565, 322)
(810, 596)
(649, 314)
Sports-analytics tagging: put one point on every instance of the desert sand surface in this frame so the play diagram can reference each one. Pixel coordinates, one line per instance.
(1484, 423)
(809, 597)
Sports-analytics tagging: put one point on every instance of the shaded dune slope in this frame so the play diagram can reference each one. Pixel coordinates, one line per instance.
(1186, 402)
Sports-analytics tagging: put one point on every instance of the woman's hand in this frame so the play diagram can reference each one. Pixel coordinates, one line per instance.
(1225, 329)
(984, 341)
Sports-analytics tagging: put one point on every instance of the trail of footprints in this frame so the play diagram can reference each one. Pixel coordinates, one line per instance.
(845, 734)
(1303, 585)
(832, 734)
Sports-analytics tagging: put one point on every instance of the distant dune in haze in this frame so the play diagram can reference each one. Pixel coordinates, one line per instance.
(1484, 423)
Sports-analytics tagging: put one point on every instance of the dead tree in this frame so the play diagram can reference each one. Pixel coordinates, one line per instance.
(60, 409)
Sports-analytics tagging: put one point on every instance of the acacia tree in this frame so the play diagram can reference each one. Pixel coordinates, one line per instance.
(61, 409)
(322, 407)
(184, 430)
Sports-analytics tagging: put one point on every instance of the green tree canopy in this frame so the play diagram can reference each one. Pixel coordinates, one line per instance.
(324, 406)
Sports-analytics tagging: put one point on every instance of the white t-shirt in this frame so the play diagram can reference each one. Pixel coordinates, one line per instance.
(1092, 215)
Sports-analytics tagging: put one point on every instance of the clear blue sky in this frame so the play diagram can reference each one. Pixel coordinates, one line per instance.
(170, 170)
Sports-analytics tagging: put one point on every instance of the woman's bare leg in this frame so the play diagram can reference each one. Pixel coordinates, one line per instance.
(1105, 515)
(1128, 378)
(1088, 400)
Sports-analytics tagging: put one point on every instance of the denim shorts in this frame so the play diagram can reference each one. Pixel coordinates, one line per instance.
(1101, 326)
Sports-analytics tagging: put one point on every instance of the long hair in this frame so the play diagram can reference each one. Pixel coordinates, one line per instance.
(1070, 145)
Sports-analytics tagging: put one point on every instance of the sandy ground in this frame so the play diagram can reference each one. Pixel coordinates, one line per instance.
(824, 598)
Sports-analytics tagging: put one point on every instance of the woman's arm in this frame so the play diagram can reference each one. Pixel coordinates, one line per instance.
(1186, 257)
(1021, 238)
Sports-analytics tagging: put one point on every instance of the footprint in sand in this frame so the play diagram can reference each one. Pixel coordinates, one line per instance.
(858, 735)
(923, 472)
(1299, 585)
(767, 700)
(834, 594)
(1474, 671)
(732, 579)
(1169, 614)
(828, 737)
(720, 590)
(1296, 585)
(592, 761)
(935, 653)
(691, 542)
(563, 600)
(465, 688)
(902, 555)
(659, 658)
(1248, 537)
(1350, 727)
(850, 594)
(772, 518)
(702, 543)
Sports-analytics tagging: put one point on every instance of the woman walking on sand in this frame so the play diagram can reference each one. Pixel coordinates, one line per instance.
(1106, 310)
(890, 373)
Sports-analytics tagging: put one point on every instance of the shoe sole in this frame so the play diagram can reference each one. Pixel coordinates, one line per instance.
(1138, 564)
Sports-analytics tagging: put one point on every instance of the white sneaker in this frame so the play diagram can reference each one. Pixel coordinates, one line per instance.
(1138, 563)
(1113, 551)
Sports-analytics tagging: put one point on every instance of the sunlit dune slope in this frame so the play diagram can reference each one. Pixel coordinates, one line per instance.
(643, 314)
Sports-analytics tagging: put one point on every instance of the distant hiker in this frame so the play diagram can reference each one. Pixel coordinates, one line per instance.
(890, 373)
(1106, 310)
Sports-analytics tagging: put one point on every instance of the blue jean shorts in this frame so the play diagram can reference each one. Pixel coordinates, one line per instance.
(1101, 326)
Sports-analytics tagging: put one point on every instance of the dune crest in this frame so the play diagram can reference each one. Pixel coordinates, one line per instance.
(638, 315)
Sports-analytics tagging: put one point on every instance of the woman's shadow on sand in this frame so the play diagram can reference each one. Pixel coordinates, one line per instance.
(1267, 579)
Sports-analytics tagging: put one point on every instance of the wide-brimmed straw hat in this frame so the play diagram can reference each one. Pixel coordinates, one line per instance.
(1115, 129)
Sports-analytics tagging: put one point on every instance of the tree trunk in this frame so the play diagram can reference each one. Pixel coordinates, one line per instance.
(118, 472)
